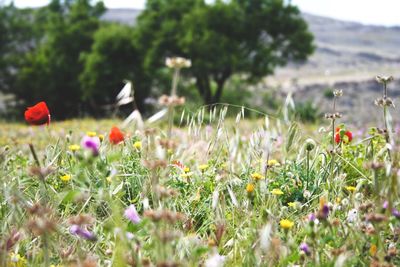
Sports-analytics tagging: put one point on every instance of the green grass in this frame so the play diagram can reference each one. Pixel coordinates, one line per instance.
(191, 214)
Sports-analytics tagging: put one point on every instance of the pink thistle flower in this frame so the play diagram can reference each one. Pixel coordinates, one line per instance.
(81, 232)
(131, 214)
(91, 143)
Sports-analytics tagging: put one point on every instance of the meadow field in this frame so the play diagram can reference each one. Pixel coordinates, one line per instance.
(211, 191)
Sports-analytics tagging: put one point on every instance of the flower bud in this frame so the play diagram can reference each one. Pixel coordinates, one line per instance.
(310, 144)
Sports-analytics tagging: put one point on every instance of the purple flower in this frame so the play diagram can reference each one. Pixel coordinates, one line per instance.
(131, 214)
(84, 233)
(311, 217)
(396, 213)
(324, 212)
(305, 248)
(385, 204)
(91, 143)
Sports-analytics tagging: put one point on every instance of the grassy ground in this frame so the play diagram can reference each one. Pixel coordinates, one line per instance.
(218, 192)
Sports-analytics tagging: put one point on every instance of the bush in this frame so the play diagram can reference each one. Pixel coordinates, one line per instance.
(307, 112)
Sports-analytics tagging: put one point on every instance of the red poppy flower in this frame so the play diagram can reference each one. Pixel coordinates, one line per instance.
(116, 136)
(38, 114)
(348, 136)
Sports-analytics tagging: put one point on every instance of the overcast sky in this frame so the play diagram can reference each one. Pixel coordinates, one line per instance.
(380, 12)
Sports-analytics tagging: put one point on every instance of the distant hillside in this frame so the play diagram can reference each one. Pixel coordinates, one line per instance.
(347, 49)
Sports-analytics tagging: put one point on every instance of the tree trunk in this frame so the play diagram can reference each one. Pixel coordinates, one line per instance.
(203, 86)
(218, 93)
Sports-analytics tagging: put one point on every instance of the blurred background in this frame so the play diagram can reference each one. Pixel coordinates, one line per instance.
(76, 54)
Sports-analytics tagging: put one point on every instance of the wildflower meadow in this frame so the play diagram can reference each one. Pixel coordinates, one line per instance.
(200, 188)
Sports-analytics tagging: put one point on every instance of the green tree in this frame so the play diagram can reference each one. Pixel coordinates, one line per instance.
(112, 59)
(17, 38)
(52, 70)
(249, 37)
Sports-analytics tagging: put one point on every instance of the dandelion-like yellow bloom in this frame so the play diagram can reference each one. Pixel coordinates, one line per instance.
(351, 188)
(101, 137)
(372, 250)
(250, 188)
(277, 192)
(65, 178)
(186, 169)
(16, 260)
(273, 162)
(91, 134)
(257, 176)
(74, 147)
(292, 204)
(286, 224)
(137, 145)
(203, 167)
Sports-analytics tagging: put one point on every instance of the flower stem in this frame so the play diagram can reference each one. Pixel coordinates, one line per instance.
(175, 80)
(308, 168)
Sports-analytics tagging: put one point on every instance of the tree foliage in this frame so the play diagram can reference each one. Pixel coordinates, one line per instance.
(52, 71)
(250, 37)
(16, 39)
(113, 58)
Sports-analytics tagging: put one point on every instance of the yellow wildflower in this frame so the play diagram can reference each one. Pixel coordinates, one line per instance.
(74, 148)
(292, 204)
(203, 167)
(65, 178)
(322, 202)
(186, 169)
(257, 176)
(351, 188)
(250, 188)
(101, 137)
(273, 162)
(286, 224)
(137, 145)
(372, 250)
(277, 192)
(211, 242)
(91, 134)
(16, 260)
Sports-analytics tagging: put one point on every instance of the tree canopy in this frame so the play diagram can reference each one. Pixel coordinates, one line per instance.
(113, 58)
(248, 37)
